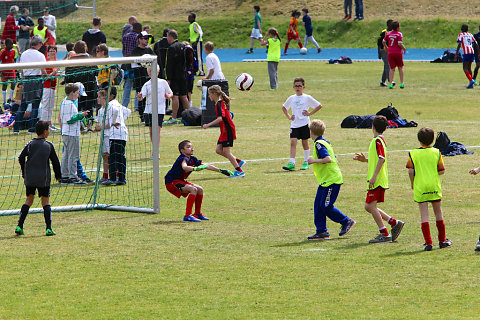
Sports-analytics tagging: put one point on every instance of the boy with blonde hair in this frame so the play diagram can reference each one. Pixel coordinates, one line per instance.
(425, 165)
(377, 182)
(329, 177)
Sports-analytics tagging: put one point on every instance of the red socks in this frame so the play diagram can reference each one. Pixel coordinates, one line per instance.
(441, 231)
(105, 176)
(300, 44)
(198, 203)
(238, 160)
(190, 202)
(392, 221)
(384, 231)
(426, 233)
(469, 75)
(286, 47)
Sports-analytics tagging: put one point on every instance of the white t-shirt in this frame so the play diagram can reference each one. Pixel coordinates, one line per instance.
(32, 55)
(298, 104)
(213, 62)
(163, 88)
(119, 132)
(68, 109)
(108, 120)
(51, 24)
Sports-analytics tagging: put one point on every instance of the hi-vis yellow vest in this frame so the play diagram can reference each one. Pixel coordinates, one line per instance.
(42, 32)
(426, 185)
(327, 173)
(193, 35)
(382, 177)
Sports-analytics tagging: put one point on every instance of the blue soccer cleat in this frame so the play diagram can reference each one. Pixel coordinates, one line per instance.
(191, 219)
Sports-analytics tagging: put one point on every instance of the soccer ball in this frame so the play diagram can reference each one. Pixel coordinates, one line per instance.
(244, 81)
(303, 51)
(200, 84)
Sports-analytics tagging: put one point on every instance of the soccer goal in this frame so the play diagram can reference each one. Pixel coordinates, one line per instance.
(138, 192)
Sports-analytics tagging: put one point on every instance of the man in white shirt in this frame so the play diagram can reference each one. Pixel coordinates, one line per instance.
(32, 87)
(50, 22)
(213, 63)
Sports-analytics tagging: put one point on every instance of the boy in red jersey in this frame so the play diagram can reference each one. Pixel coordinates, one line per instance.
(227, 129)
(393, 43)
(292, 33)
(466, 40)
(7, 55)
(176, 183)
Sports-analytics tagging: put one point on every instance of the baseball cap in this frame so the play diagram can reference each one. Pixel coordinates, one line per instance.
(144, 34)
(81, 89)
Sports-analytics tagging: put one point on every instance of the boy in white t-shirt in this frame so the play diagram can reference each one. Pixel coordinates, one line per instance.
(299, 103)
(163, 93)
(69, 118)
(213, 63)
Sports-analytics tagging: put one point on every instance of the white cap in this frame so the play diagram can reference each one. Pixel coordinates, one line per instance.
(81, 89)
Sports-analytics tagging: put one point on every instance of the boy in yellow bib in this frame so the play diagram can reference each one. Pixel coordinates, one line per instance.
(425, 165)
(329, 177)
(378, 182)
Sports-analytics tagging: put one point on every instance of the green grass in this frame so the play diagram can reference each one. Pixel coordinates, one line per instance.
(252, 259)
(435, 33)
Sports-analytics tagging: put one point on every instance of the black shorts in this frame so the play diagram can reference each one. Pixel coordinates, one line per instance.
(190, 86)
(302, 133)
(147, 118)
(179, 87)
(228, 143)
(42, 191)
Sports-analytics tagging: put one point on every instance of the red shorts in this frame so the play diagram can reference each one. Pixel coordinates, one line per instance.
(8, 75)
(174, 190)
(292, 36)
(395, 60)
(377, 194)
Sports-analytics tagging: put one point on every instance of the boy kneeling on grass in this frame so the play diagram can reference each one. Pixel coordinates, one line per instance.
(176, 183)
(36, 174)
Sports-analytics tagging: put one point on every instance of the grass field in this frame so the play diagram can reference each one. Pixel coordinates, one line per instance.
(252, 260)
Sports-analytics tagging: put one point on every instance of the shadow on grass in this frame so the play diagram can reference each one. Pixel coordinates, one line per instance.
(403, 253)
(355, 245)
(169, 222)
(303, 242)
(21, 237)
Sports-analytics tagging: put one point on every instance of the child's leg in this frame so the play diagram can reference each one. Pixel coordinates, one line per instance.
(306, 150)
(371, 207)
(467, 68)
(11, 91)
(400, 73)
(293, 149)
(305, 40)
(105, 165)
(313, 41)
(198, 199)
(47, 212)
(233, 160)
(391, 74)
(192, 194)
(330, 211)
(251, 43)
(437, 209)
(299, 43)
(319, 217)
(24, 210)
(475, 71)
(286, 46)
(150, 132)
(423, 206)
(4, 92)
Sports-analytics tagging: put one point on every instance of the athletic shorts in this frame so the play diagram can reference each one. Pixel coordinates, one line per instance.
(8, 75)
(292, 36)
(190, 86)
(377, 194)
(106, 145)
(302, 133)
(470, 57)
(228, 143)
(431, 201)
(42, 191)
(174, 190)
(395, 60)
(147, 118)
(256, 34)
(179, 87)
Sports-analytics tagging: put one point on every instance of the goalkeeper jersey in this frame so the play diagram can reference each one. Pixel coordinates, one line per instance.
(177, 172)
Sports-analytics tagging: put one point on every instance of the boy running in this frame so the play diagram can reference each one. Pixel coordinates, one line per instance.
(257, 28)
(469, 45)
(378, 182)
(300, 104)
(307, 23)
(292, 32)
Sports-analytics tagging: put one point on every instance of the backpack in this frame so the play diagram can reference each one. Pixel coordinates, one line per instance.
(192, 116)
(389, 112)
(350, 122)
(442, 141)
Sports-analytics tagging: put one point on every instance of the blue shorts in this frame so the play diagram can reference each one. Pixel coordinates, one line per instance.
(468, 57)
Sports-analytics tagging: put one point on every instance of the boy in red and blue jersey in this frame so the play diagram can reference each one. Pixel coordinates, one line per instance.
(176, 183)
(466, 40)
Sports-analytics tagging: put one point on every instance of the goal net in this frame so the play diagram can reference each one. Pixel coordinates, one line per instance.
(89, 183)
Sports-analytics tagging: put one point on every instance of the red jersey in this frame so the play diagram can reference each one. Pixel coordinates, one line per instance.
(293, 24)
(10, 29)
(50, 83)
(393, 39)
(380, 149)
(227, 128)
(7, 56)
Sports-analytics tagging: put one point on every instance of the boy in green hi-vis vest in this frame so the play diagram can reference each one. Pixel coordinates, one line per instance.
(425, 165)
(378, 182)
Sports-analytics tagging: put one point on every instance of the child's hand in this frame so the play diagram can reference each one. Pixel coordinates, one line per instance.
(204, 126)
(475, 171)
(292, 117)
(371, 182)
(306, 113)
(228, 173)
(85, 113)
(139, 96)
(200, 167)
(310, 160)
(360, 157)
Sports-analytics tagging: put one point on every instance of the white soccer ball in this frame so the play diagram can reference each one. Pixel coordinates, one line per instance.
(244, 81)
(303, 51)
(200, 84)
